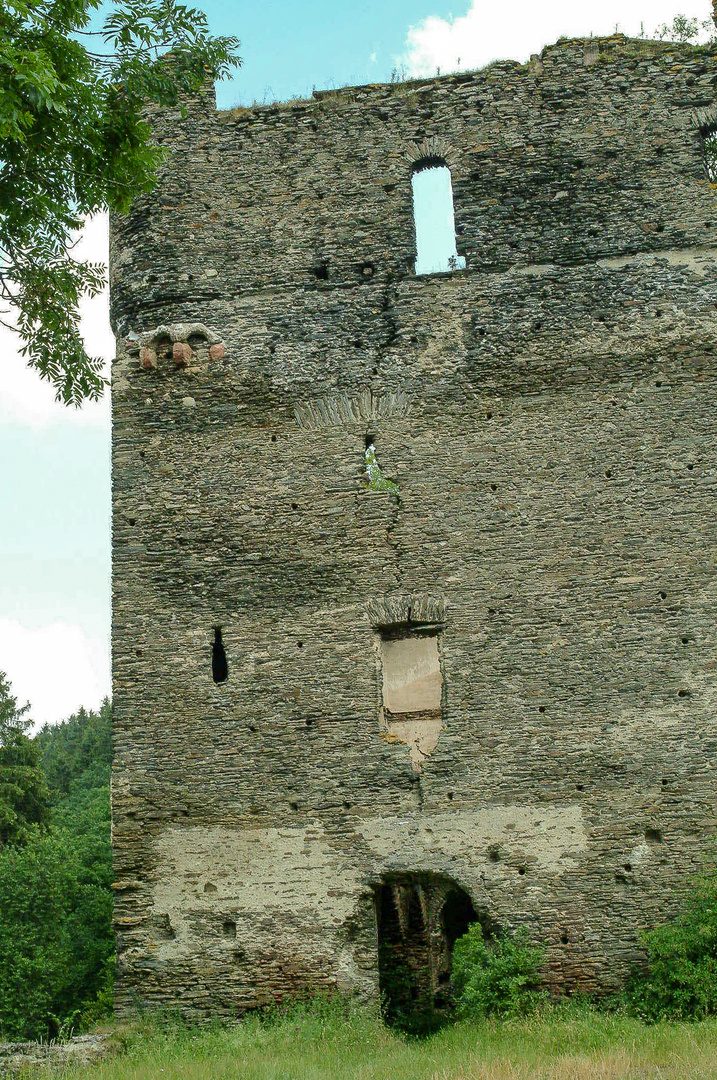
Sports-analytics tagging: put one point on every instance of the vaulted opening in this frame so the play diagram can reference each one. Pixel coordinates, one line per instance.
(162, 345)
(419, 918)
(434, 218)
(198, 343)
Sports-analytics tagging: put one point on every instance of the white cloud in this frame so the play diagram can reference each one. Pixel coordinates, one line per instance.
(27, 399)
(54, 664)
(488, 32)
(57, 668)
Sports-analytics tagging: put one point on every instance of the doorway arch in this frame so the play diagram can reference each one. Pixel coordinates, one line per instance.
(419, 918)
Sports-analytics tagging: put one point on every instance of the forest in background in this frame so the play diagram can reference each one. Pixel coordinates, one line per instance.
(56, 941)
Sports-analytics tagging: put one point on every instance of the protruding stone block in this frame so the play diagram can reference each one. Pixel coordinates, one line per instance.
(218, 351)
(182, 353)
(148, 358)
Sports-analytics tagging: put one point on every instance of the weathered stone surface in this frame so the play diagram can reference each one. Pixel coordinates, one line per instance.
(147, 358)
(181, 353)
(548, 416)
(23, 1057)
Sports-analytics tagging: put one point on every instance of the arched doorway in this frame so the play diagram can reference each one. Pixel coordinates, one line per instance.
(419, 918)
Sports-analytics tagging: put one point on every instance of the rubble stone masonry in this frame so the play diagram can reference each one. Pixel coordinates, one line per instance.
(499, 681)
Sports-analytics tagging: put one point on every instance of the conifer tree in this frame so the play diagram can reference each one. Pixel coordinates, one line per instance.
(24, 796)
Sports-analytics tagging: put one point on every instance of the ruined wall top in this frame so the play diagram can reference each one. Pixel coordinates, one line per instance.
(592, 149)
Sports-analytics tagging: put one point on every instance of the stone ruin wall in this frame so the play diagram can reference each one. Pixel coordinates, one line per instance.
(548, 416)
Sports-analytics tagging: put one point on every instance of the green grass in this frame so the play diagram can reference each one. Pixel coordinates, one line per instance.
(321, 1041)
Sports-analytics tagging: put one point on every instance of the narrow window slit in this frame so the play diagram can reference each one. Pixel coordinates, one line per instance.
(434, 219)
(220, 667)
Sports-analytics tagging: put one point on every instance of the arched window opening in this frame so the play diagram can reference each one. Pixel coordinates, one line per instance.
(162, 345)
(433, 218)
(457, 915)
(198, 342)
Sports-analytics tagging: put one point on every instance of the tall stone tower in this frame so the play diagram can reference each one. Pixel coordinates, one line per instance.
(357, 710)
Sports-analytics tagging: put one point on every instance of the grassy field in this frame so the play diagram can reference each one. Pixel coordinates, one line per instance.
(329, 1042)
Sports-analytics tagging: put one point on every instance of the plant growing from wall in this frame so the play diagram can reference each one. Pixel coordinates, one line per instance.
(376, 480)
(684, 30)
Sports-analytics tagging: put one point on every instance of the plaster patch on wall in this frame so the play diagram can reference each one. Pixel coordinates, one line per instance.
(258, 875)
(412, 686)
(253, 873)
(265, 867)
(641, 855)
(420, 734)
(411, 674)
(551, 839)
(699, 260)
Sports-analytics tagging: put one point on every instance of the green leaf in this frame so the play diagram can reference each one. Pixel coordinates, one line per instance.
(73, 142)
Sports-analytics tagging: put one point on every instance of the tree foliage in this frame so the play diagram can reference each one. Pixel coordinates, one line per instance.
(73, 142)
(24, 797)
(77, 752)
(56, 942)
(685, 30)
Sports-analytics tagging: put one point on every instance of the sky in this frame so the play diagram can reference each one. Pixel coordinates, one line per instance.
(55, 461)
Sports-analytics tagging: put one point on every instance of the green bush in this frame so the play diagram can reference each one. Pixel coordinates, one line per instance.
(499, 976)
(680, 979)
(55, 936)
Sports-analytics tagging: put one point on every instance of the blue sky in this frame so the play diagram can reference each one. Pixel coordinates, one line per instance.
(54, 462)
(290, 49)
